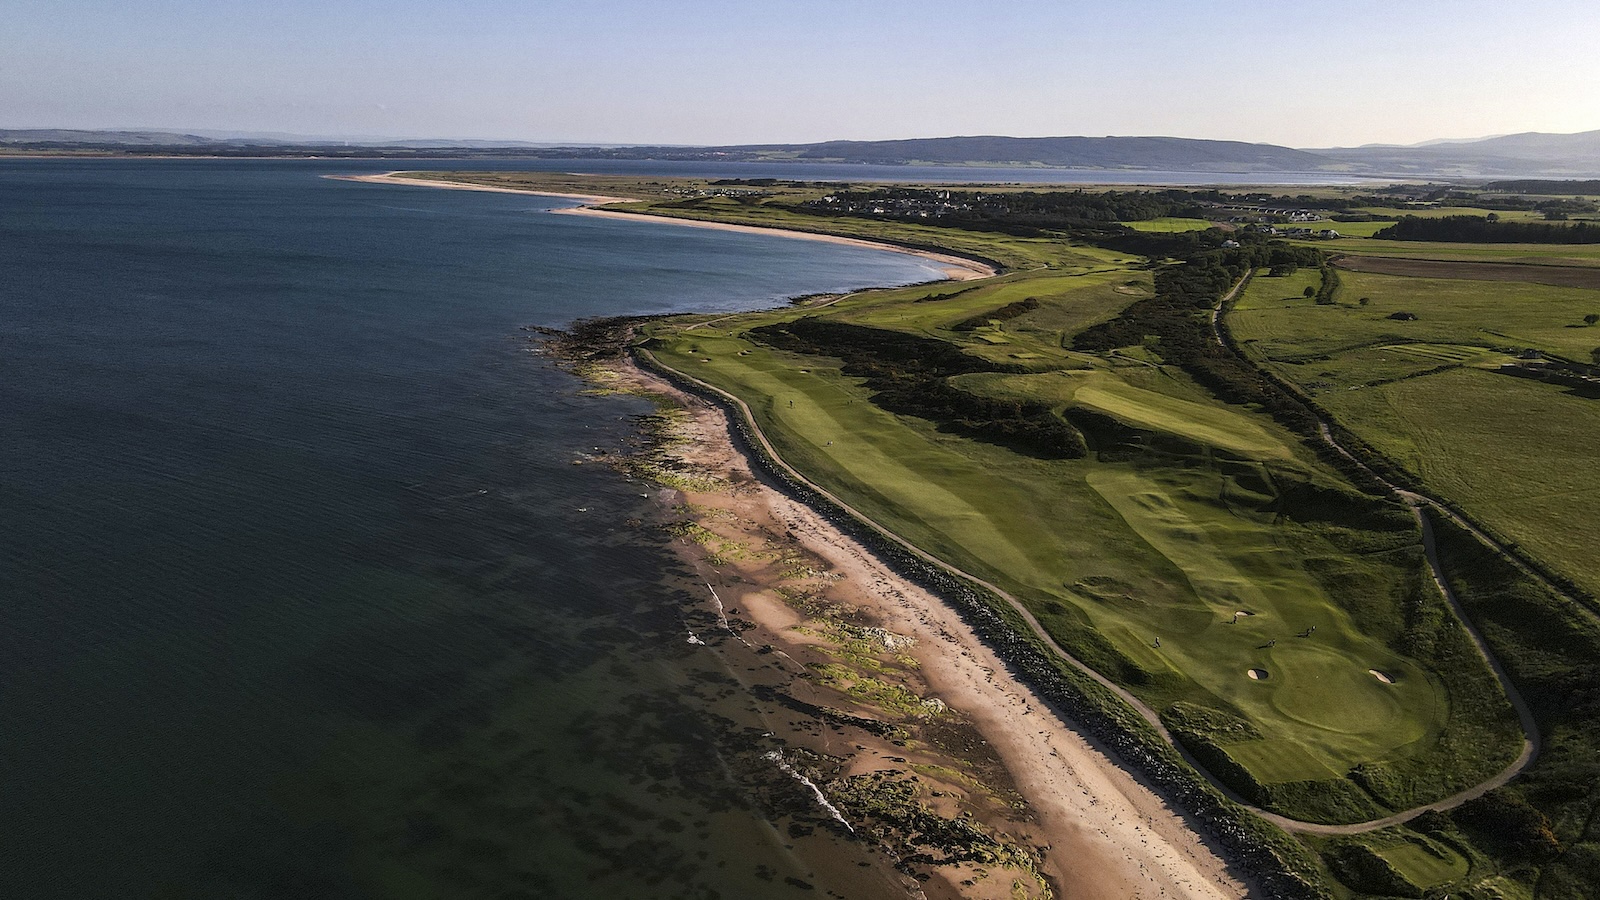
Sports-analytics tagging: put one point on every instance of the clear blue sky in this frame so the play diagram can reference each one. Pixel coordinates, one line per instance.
(1295, 72)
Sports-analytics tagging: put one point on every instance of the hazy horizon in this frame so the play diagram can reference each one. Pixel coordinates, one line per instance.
(713, 73)
(226, 134)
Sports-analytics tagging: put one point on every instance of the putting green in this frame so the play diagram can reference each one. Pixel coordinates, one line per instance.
(1324, 688)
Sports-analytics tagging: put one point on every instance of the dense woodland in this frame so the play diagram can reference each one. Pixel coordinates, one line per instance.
(1547, 187)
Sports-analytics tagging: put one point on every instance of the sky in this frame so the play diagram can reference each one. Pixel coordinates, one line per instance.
(1301, 74)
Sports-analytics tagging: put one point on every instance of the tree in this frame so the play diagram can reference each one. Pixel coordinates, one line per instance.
(1310, 291)
(1591, 318)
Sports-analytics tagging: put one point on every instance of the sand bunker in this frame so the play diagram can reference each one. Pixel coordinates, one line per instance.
(1384, 677)
(1259, 674)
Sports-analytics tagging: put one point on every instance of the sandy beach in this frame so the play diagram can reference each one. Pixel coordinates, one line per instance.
(955, 268)
(1101, 832)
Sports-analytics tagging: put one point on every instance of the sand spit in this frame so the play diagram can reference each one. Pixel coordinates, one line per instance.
(1102, 833)
(394, 178)
(955, 268)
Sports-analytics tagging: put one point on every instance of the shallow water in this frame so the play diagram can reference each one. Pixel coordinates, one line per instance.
(301, 592)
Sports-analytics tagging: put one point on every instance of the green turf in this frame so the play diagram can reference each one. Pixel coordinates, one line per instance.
(1209, 424)
(1169, 225)
(1268, 290)
(1356, 229)
(1544, 254)
(1439, 212)
(1279, 762)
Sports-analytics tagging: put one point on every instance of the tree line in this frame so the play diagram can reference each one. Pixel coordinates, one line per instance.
(1480, 230)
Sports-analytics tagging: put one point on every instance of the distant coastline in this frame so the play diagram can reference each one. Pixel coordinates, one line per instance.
(955, 268)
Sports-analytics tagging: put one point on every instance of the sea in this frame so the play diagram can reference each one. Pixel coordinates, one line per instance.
(314, 579)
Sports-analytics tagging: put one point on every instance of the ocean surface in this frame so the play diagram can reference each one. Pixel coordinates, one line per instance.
(313, 580)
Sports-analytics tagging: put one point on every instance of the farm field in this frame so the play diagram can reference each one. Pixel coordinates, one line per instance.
(1541, 254)
(1395, 212)
(1467, 433)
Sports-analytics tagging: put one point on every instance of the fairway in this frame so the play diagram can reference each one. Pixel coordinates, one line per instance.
(1206, 424)
(1319, 701)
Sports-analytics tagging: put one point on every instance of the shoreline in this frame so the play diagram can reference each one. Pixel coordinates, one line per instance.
(955, 268)
(1101, 830)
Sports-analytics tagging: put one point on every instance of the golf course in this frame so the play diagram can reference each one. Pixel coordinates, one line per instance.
(1175, 447)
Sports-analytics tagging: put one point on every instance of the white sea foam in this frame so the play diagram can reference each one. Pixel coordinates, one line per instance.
(776, 757)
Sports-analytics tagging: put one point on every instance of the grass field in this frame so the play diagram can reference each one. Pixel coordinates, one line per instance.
(1169, 225)
(1490, 314)
(1516, 454)
(1208, 424)
(1511, 451)
(1355, 229)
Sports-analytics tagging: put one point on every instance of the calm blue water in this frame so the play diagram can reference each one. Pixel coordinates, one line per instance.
(301, 594)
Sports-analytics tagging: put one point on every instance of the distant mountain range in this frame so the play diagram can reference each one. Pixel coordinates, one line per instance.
(1528, 154)
(1517, 155)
